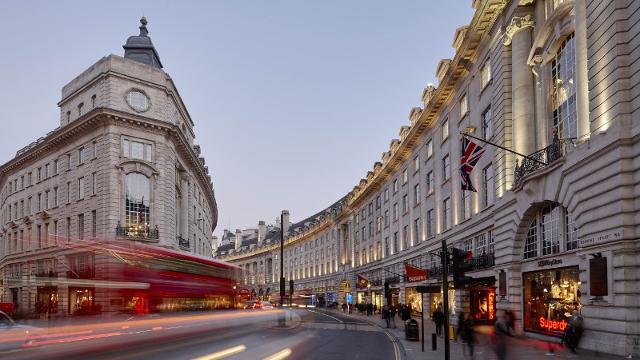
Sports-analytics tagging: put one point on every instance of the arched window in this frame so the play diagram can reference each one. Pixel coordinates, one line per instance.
(551, 231)
(563, 94)
(137, 202)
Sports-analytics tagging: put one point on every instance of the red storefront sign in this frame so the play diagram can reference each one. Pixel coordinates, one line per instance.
(414, 273)
(555, 325)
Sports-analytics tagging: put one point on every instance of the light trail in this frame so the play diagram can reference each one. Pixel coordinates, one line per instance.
(279, 355)
(223, 353)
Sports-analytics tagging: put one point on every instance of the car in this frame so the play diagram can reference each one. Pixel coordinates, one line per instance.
(266, 305)
(12, 335)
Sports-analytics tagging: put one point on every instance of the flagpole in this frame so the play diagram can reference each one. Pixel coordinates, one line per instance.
(503, 148)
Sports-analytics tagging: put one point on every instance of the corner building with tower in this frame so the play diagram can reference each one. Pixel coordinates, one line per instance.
(122, 164)
(549, 233)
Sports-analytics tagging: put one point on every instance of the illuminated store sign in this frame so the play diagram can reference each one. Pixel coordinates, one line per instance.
(553, 325)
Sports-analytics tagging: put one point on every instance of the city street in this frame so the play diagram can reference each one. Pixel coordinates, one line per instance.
(307, 334)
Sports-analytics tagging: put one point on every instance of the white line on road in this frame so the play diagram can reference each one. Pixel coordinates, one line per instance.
(279, 355)
(396, 350)
(334, 318)
(223, 354)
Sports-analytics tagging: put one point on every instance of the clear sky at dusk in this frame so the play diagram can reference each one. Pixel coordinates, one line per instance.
(293, 101)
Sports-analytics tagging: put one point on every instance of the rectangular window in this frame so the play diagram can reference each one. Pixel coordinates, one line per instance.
(21, 208)
(464, 106)
(429, 149)
(39, 174)
(46, 171)
(571, 232)
(416, 163)
(370, 229)
(395, 247)
(416, 194)
(68, 192)
(487, 123)
(55, 231)
(81, 155)
(29, 199)
(405, 203)
(81, 188)
(39, 229)
(445, 130)
(481, 245)
(68, 228)
(466, 205)
(94, 184)
(39, 202)
(446, 214)
(94, 224)
(430, 182)
(379, 223)
(46, 200)
(485, 74)
(81, 226)
(56, 167)
(137, 150)
(405, 237)
(405, 176)
(431, 224)
(386, 218)
(21, 182)
(487, 186)
(95, 149)
(446, 168)
(531, 243)
(29, 179)
(395, 211)
(395, 186)
(68, 162)
(417, 230)
(386, 194)
(387, 251)
(378, 202)
(491, 242)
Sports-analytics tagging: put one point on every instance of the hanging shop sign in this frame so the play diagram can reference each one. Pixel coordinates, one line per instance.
(549, 262)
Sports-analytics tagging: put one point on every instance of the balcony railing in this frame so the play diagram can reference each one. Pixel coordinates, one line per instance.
(183, 243)
(81, 274)
(138, 232)
(542, 158)
(479, 262)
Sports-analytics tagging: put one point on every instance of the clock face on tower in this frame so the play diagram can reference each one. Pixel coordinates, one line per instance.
(138, 100)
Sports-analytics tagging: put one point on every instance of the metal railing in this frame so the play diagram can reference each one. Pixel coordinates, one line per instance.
(138, 232)
(542, 158)
(479, 262)
(81, 274)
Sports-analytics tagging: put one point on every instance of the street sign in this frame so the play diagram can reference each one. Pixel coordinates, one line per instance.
(432, 289)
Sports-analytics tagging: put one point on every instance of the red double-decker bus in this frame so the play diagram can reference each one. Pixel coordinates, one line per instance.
(139, 278)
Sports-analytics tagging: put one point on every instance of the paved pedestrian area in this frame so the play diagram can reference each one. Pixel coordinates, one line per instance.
(521, 348)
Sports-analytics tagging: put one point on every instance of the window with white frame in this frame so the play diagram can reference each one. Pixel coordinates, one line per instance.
(395, 186)
(429, 149)
(416, 163)
(405, 237)
(431, 224)
(466, 205)
(446, 214)
(571, 231)
(445, 130)
(137, 150)
(81, 188)
(531, 242)
(81, 155)
(446, 167)
(464, 106)
(467, 245)
(416, 194)
(488, 188)
(487, 123)
(405, 176)
(485, 74)
(430, 182)
(417, 229)
(405, 203)
(395, 211)
(94, 183)
(563, 91)
(395, 247)
(551, 231)
(481, 244)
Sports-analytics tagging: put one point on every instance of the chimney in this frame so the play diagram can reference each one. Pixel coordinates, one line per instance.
(226, 232)
(238, 238)
(262, 231)
(285, 221)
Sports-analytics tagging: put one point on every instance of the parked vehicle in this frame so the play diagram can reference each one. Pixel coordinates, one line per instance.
(14, 335)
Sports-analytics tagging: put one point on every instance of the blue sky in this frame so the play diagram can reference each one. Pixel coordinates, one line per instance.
(293, 101)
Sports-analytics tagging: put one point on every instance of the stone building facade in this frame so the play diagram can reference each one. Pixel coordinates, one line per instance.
(122, 164)
(549, 233)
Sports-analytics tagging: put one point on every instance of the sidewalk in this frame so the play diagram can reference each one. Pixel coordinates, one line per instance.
(520, 348)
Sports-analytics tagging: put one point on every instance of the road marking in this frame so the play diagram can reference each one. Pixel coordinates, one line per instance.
(334, 318)
(223, 353)
(396, 350)
(279, 355)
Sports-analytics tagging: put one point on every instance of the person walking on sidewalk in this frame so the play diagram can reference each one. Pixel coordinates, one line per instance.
(385, 314)
(467, 334)
(438, 319)
(392, 316)
(500, 337)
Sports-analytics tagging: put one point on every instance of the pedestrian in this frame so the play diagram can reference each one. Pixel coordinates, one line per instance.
(392, 316)
(510, 320)
(385, 315)
(467, 334)
(459, 326)
(500, 337)
(344, 307)
(573, 331)
(438, 319)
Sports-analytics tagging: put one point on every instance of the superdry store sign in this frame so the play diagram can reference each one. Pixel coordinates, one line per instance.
(414, 273)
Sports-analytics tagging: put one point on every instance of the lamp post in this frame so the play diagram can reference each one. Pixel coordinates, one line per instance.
(234, 297)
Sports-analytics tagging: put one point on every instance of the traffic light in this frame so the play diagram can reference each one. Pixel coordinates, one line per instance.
(290, 287)
(460, 263)
(387, 291)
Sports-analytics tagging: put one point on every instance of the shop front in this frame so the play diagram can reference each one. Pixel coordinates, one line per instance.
(47, 300)
(483, 305)
(81, 301)
(549, 298)
(413, 299)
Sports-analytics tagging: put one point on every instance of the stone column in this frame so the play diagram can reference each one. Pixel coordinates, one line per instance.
(184, 221)
(582, 81)
(518, 35)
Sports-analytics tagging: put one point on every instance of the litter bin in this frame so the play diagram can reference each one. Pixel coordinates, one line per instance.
(411, 330)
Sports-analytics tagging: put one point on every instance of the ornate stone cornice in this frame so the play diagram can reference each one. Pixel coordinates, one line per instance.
(517, 23)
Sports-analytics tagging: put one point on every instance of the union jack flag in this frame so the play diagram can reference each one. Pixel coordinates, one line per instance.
(470, 154)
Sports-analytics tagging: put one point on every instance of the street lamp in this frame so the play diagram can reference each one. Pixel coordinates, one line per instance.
(234, 296)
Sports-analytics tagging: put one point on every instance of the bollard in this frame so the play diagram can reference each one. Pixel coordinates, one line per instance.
(434, 342)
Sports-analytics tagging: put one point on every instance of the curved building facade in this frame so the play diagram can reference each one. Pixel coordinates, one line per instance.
(122, 164)
(549, 233)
